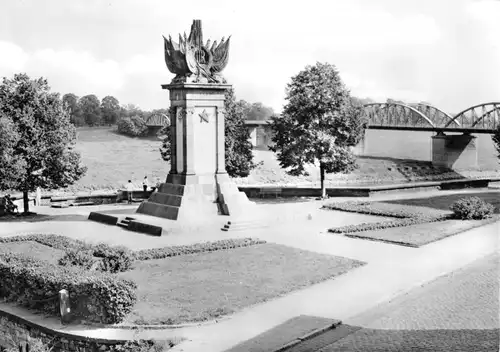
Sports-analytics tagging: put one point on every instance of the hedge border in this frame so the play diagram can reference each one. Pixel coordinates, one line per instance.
(348, 229)
(95, 296)
(173, 251)
(62, 242)
(402, 217)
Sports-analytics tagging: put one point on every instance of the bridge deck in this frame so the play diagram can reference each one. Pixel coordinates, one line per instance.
(432, 129)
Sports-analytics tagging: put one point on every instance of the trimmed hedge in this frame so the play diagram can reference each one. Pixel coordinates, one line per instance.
(49, 240)
(78, 257)
(472, 208)
(161, 253)
(386, 224)
(372, 208)
(97, 297)
(115, 259)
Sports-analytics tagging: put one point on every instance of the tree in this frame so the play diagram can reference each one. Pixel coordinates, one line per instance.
(496, 139)
(259, 112)
(36, 138)
(70, 101)
(110, 109)
(319, 124)
(238, 149)
(91, 109)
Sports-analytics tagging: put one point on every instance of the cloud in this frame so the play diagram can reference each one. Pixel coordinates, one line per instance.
(81, 73)
(13, 57)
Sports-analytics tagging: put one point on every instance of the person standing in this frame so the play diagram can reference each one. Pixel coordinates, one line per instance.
(130, 188)
(38, 198)
(145, 185)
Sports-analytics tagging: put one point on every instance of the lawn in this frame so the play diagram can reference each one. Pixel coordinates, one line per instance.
(113, 159)
(33, 249)
(412, 225)
(421, 234)
(443, 202)
(207, 285)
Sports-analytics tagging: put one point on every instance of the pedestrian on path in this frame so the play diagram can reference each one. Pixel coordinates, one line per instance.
(38, 197)
(129, 188)
(145, 184)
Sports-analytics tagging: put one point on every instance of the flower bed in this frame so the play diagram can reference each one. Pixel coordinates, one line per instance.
(95, 296)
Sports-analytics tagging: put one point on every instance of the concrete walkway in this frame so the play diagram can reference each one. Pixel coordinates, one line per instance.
(391, 270)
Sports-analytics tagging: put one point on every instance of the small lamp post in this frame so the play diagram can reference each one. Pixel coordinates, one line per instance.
(64, 305)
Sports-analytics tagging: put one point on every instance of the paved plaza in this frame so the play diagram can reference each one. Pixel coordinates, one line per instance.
(391, 270)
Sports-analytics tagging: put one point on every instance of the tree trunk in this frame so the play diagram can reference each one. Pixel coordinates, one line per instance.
(322, 178)
(26, 202)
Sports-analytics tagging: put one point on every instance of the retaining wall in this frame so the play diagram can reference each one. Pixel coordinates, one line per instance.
(16, 331)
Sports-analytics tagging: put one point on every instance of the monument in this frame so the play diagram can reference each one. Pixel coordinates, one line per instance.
(198, 185)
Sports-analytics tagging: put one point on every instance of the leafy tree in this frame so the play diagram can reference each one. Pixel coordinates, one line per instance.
(70, 101)
(259, 112)
(110, 109)
(36, 138)
(238, 149)
(133, 126)
(318, 125)
(91, 109)
(496, 139)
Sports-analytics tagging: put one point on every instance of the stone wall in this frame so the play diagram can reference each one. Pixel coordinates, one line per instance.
(15, 332)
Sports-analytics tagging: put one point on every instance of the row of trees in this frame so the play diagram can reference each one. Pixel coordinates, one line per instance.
(90, 111)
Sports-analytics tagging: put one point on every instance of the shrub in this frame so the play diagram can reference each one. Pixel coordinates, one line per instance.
(133, 126)
(371, 208)
(97, 297)
(114, 259)
(145, 346)
(472, 208)
(160, 253)
(83, 258)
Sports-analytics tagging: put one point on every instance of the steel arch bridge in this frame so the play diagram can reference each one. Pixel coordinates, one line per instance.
(481, 118)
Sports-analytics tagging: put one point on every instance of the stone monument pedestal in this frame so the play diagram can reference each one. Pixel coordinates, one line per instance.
(198, 187)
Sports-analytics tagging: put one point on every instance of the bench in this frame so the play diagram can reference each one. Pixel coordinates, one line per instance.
(270, 191)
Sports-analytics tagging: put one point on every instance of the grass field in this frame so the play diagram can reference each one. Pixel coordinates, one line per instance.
(207, 285)
(113, 159)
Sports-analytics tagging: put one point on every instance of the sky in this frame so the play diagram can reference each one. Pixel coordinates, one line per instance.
(446, 52)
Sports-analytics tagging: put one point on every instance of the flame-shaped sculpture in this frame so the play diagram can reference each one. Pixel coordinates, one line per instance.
(193, 62)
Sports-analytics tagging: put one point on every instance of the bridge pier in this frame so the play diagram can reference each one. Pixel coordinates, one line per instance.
(458, 152)
(253, 135)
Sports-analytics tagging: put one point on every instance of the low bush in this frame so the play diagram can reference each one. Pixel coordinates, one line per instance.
(95, 296)
(145, 346)
(160, 253)
(78, 257)
(472, 208)
(385, 224)
(114, 259)
(133, 126)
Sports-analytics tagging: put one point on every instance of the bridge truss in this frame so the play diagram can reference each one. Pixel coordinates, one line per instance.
(481, 118)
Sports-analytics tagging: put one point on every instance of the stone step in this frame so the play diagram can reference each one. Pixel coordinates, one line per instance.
(166, 199)
(168, 188)
(159, 210)
(122, 225)
(244, 225)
